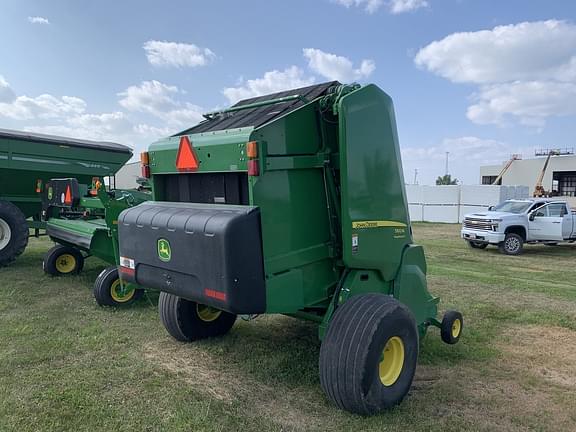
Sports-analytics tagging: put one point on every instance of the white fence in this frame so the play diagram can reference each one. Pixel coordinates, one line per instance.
(450, 203)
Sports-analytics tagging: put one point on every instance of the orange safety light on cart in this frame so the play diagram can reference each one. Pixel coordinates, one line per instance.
(68, 196)
(186, 159)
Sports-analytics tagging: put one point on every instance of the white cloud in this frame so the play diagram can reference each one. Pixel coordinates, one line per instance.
(465, 155)
(394, 6)
(68, 116)
(530, 102)
(272, 82)
(44, 106)
(149, 96)
(402, 6)
(100, 127)
(336, 67)
(114, 126)
(162, 53)
(525, 51)
(369, 6)
(526, 71)
(6, 92)
(186, 116)
(38, 20)
(157, 99)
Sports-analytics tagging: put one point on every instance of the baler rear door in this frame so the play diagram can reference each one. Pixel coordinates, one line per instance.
(211, 254)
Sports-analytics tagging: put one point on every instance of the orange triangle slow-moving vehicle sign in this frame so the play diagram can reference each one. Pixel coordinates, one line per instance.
(68, 196)
(186, 159)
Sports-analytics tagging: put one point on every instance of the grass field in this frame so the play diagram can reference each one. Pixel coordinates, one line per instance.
(68, 365)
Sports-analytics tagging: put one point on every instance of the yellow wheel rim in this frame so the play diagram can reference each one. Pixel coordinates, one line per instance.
(456, 328)
(207, 313)
(66, 263)
(392, 362)
(118, 294)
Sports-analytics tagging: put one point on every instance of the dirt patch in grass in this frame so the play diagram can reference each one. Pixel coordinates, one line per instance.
(193, 367)
(508, 404)
(292, 409)
(549, 353)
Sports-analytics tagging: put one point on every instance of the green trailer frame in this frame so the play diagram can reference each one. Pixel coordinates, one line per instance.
(90, 228)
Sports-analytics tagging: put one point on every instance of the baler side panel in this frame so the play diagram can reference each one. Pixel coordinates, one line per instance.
(375, 222)
(295, 222)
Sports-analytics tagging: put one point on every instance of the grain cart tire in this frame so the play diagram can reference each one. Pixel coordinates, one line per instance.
(13, 232)
(477, 245)
(187, 321)
(63, 261)
(108, 290)
(369, 353)
(451, 327)
(512, 244)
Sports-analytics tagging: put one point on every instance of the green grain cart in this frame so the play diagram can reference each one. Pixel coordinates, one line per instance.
(292, 203)
(27, 162)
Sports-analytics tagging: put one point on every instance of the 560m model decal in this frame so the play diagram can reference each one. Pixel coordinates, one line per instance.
(377, 224)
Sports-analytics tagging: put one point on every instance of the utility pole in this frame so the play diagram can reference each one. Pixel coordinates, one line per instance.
(447, 153)
(415, 175)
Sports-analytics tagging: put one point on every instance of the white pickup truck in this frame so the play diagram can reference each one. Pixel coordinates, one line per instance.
(514, 222)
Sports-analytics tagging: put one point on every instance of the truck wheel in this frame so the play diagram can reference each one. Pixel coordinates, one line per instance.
(451, 328)
(477, 245)
(512, 244)
(108, 290)
(188, 321)
(63, 261)
(369, 353)
(13, 232)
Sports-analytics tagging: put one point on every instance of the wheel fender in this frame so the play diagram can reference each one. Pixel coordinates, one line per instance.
(410, 287)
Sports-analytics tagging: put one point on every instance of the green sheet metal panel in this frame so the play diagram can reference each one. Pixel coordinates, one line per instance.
(291, 195)
(375, 221)
(295, 133)
(91, 236)
(216, 151)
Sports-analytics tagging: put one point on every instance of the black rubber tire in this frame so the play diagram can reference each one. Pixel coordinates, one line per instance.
(513, 244)
(50, 263)
(103, 289)
(19, 232)
(448, 325)
(477, 245)
(353, 347)
(181, 320)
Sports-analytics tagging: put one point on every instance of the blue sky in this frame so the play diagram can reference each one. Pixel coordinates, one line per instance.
(478, 79)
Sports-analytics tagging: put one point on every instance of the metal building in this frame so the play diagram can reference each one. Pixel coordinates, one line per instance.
(558, 177)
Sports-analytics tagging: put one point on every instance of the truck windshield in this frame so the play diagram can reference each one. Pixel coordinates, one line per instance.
(513, 206)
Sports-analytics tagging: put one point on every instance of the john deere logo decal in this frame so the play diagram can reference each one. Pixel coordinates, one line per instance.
(164, 250)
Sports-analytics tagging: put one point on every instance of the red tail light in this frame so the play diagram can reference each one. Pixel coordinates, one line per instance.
(146, 171)
(253, 168)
